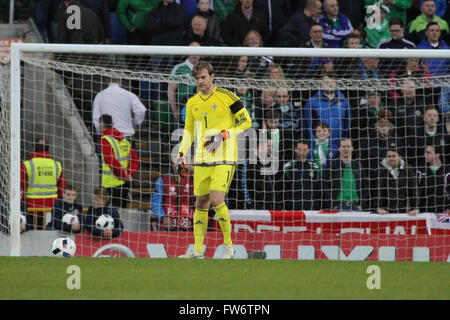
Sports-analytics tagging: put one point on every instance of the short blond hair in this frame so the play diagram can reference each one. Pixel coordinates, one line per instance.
(245, 42)
(202, 65)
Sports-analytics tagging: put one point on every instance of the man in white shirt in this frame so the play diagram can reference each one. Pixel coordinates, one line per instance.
(124, 106)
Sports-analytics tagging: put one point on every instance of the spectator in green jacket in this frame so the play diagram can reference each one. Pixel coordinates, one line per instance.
(417, 27)
(377, 25)
(133, 17)
(223, 8)
(397, 8)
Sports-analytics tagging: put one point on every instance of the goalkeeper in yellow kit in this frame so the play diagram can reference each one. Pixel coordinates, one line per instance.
(214, 117)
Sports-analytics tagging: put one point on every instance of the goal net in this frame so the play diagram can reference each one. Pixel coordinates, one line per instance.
(347, 157)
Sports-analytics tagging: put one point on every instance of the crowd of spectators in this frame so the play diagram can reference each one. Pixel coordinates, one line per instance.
(352, 149)
(282, 23)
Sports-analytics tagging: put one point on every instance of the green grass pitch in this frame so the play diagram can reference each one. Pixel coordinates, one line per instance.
(211, 279)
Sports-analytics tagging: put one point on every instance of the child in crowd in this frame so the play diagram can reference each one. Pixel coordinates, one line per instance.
(322, 150)
(67, 204)
(101, 204)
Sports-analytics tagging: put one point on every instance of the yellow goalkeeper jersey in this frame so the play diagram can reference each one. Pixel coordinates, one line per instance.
(210, 115)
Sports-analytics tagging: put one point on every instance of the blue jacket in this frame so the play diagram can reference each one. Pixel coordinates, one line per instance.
(92, 215)
(437, 67)
(60, 208)
(441, 7)
(444, 100)
(332, 35)
(334, 112)
(190, 5)
(158, 199)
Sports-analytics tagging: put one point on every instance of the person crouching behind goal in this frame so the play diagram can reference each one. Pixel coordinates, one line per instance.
(217, 116)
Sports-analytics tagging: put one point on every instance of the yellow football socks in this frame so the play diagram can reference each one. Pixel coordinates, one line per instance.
(200, 227)
(224, 221)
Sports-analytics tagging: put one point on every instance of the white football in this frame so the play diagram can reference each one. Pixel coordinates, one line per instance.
(70, 219)
(64, 247)
(105, 221)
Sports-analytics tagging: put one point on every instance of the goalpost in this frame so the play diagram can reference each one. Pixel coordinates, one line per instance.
(67, 78)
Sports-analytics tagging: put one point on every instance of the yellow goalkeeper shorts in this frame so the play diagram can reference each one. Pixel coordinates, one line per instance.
(207, 178)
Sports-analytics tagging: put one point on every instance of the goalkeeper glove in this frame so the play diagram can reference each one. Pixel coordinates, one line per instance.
(181, 166)
(213, 142)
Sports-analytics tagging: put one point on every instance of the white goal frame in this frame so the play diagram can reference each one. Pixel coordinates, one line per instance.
(17, 49)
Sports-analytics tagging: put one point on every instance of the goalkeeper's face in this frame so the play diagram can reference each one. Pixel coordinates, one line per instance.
(204, 81)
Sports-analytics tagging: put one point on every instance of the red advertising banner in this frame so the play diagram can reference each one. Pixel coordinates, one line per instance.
(296, 235)
(319, 222)
(274, 245)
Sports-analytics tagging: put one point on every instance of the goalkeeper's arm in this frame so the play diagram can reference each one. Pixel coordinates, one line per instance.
(186, 142)
(242, 122)
(242, 119)
(188, 134)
